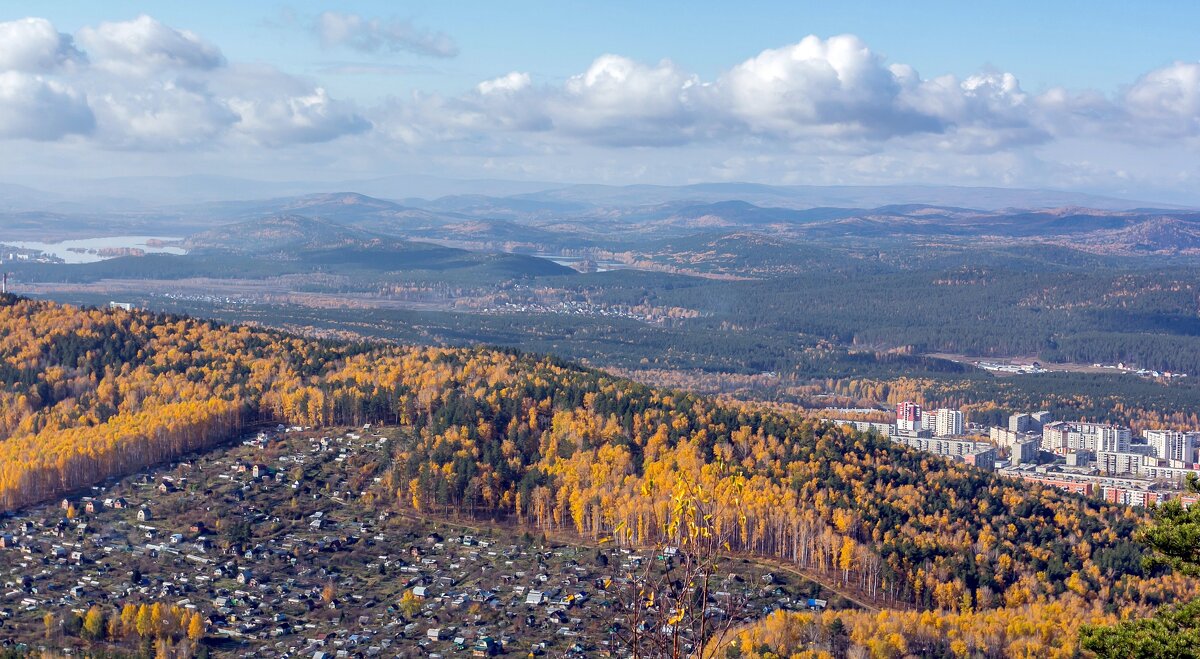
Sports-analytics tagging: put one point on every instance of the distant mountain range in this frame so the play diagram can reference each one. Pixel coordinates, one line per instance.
(625, 219)
(155, 192)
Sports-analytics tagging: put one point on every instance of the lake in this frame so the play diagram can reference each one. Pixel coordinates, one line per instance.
(84, 250)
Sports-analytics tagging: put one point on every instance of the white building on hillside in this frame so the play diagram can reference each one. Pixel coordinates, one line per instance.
(949, 423)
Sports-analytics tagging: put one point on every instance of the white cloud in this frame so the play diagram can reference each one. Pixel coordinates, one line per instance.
(1165, 103)
(827, 110)
(33, 45)
(372, 35)
(833, 95)
(32, 107)
(144, 45)
(513, 82)
(161, 116)
(982, 113)
(275, 109)
(828, 88)
(312, 117)
(618, 101)
(146, 86)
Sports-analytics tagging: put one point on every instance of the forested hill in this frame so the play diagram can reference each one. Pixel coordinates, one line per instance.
(91, 394)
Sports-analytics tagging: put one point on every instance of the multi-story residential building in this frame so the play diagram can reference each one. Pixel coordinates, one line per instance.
(1132, 497)
(1020, 422)
(985, 459)
(1022, 446)
(908, 416)
(1158, 471)
(1070, 485)
(1002, 436)
(1174, 445)
(1024, 451)
(1056, 437)
(1112, 462)
(884, 429)
(980, 454)
(1063, 437)
(1107, 438)
(1132, 491)
(928, 420)
(948, 423)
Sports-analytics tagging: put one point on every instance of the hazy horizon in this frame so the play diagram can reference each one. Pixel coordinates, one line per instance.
(165, 191)
(967, 96)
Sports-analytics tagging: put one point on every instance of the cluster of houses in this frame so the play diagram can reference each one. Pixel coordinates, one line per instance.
(282, 556)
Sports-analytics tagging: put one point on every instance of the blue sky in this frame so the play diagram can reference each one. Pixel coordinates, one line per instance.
(1096, 96)
(1099, 44)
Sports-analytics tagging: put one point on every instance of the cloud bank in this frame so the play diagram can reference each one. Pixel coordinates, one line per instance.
(144, 86)
(826, 95)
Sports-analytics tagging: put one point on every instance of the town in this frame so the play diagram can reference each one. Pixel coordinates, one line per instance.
(1092, 459)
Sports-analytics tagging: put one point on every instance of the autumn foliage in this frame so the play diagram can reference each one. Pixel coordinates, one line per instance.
(87, 395)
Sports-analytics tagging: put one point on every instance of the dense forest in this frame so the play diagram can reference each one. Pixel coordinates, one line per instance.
(1060, 627)
(761, 366)
(1145, 317)
(1043, 629)
(93, 394)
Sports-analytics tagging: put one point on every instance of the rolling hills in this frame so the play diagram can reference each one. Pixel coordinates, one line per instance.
(284, 234)
(283, 245)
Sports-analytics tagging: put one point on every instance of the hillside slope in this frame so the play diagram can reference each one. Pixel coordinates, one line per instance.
(89, 395)
(284, 233)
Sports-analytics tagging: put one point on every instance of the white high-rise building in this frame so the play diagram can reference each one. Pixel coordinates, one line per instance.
(949, 423)
(1067, 437)
(1174, 445)
(1108, 438)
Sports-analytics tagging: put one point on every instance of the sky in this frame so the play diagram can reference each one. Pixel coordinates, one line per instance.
(1091, 96)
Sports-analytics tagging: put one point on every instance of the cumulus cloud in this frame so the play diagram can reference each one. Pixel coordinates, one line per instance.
(32, 107)
(161, 116)
(275, 109)
(507, 84)
(833, 93)
(144, 45)
(622, 102)
(33, 45)
(981, 113)
(307, 118)
(1166, 102)
(372, 35)
(827, 104)
(832, 88)
(616, 102)
(143, 85)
